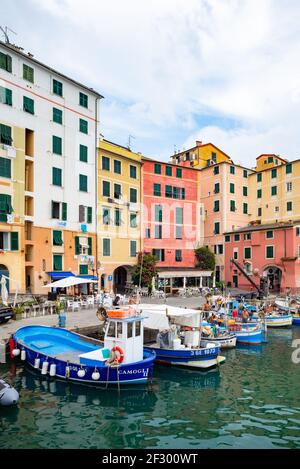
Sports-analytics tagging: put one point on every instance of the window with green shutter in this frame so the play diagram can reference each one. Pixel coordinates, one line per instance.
(245, 173)
(117, 217)
(158, 213)
(83, 269)
(5, 62)
(227, 238)
(5, 168)
(106, 188)
(168, 170)
(56, 145)
(216, 170)
(133, 218)
(270, 234)
(178, 216)
(158, 231)
(77, 245)
(57, 262)
(55, 209)
(106, 247)
(133, 172)
(90, 243)
(217, 188)
(245, 191)
(5, 206)
(236, 237)
(259, 177)
(64, 210)
(56, 176)
(106, 216)
(270, 252)
(216, 206)
(157, 168)
(57, 115)
(232, 169)
(57, 87)
(157, 190)
(288, 168)
(14, 241)
(89, 214)
(133, 195)
(132, 248)
(183, 193)
(5, 96)
(247, 253)
(178, 172)
(105, 163)
(117, 191)
(231, 188)
(83, 183)
(274, 173)
(83, 153)
(57, 238)
(259, 193)
(217, 228)
(245, 208)
(169, 191)
(289, 206)
(28, 105)
(117, 166)
(232, 206)
(83, 126)
(274, 190)
(28, 73)
(83, 100)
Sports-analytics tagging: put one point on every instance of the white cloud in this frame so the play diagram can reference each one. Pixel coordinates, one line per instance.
(166, 64)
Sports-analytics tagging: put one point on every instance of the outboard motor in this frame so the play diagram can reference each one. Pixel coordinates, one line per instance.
(8, 395)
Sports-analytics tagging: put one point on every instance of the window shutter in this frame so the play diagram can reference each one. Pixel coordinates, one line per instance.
(57, 238)
(89, 214)
(77, 245)
(8, 63)
(83, 269)
(90, 246)
(14, 241)
(57, 262)
(81, 213)
(64, 211)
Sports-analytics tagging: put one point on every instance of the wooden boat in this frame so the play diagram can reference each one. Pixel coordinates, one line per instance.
(178, 341)
(276, 319)
(296, 319)
(248, 334)
(223, 337)
(73, 357)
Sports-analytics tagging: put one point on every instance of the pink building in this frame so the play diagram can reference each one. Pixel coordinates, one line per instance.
(270, 251)
(172, 221)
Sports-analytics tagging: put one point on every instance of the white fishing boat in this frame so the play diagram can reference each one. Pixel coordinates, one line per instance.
(285, 305)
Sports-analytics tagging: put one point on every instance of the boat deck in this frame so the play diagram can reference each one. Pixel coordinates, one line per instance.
(72, 357)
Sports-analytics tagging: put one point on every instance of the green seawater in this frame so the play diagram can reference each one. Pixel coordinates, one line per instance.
(252, 401)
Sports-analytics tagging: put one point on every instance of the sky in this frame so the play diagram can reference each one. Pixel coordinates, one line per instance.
(176, 71)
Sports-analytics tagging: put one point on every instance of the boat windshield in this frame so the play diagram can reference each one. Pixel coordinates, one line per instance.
(111, 329)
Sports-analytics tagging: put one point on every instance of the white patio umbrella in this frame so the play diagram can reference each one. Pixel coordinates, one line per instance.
(200, 286)
(69, 282)
(214, 281)
(4, 292)
(153, 284)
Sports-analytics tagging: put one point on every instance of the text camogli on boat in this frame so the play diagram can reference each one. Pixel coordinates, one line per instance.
(70, 356)
(178, 339)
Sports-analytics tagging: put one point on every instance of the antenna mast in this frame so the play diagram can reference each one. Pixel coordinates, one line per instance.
(129, 141)
(5, 30)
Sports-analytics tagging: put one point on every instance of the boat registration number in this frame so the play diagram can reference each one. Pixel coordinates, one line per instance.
(204, 352)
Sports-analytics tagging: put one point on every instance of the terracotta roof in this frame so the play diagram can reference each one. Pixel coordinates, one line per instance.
(259, 227)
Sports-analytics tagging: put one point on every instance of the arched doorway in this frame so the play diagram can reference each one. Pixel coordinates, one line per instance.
(4, 271)
(122, 277)
(273, 274)
(103, 281)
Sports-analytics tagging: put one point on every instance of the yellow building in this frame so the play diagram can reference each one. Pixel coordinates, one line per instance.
(12, 205)
(201, 156)
(274, 190)
(119, 213)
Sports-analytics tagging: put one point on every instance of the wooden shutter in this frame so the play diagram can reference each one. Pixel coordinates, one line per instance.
(77, 245)
(64, 209)
(14, 241)
(81, 213)
(90, 240)
(89, 214)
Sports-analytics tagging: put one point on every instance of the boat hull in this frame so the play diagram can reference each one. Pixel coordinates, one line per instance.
(296, 320)
(225, 342)
(133, 373)
(279, 321)
(249, 337)
(203, 358)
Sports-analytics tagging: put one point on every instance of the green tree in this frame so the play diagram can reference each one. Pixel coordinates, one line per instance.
(147, 262)
(205, 258)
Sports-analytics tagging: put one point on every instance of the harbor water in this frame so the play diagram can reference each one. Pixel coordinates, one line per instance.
(252, 401)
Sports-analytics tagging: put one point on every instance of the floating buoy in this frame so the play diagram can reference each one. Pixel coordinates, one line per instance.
(8, 395)
(96, 375)
(45, 368)
(16, 352)
(37, 363)
(23, 355)
(52, 371)
(81, 373)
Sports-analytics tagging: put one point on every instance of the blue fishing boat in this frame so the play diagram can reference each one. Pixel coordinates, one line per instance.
(278, 320)
(296, 319)
(247, 333)
(178, 341)
(66, 355)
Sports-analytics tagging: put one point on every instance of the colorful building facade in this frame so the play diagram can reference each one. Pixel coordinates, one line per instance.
(119, 214)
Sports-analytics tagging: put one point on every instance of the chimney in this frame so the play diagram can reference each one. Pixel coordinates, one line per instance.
(198, 143)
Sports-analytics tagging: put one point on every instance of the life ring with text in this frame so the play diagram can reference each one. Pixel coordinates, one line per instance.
(118, 357)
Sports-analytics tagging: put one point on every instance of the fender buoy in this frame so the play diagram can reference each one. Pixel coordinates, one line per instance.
(11, 347)
(117, 357)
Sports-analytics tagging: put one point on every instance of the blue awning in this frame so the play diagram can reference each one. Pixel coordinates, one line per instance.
(88, 277)
(59, 275)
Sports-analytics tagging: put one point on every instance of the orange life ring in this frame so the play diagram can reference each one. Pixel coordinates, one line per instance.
(119, 358)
